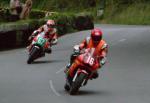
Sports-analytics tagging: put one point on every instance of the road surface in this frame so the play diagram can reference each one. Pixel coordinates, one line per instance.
(124, 79)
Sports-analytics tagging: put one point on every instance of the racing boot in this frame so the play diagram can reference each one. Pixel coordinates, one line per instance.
(69, 80)
(48, 50)
(67, 68)
(95, 75)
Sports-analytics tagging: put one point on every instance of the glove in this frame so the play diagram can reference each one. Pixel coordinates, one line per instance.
(30, 37)
(54, 41)
(35, 32)
(103, 61)
(76, 49)
(33, 35)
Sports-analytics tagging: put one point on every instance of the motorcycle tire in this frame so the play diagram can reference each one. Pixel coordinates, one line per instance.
(77, 84)
(32, 55)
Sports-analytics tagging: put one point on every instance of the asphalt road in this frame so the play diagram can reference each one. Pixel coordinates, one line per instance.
(124, 79)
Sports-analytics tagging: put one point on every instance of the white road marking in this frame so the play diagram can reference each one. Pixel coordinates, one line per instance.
(53, 89)
(62, 69)
(122, 40)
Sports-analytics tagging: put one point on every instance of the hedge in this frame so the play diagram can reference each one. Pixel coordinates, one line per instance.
(21, 30)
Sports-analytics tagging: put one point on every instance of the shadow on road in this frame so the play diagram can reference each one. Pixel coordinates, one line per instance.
(90, 92)
(46, 61)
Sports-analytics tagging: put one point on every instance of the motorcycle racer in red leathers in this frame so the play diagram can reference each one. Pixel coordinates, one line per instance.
(94, 41)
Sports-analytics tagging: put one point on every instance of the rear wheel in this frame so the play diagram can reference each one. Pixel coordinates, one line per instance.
(77, 84)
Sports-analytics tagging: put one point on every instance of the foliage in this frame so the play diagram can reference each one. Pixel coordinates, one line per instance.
(36, 14)
(131, 14)
(4, 15)
(116, 11)
(66, 22)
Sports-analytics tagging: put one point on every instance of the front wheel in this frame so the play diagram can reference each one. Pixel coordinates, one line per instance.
(32, 55)
(77, 83)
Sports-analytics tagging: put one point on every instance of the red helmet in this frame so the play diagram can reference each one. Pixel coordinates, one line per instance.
(50, 23)
(96, 35)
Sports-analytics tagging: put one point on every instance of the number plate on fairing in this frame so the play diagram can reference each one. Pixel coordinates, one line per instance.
(89, 60)
(41, 41)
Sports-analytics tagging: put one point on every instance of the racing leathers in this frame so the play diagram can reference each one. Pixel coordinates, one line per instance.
(50, 34)
(101, 49)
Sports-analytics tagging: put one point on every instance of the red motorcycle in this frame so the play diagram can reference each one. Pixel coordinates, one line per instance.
(86, 65)
(39, 46)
